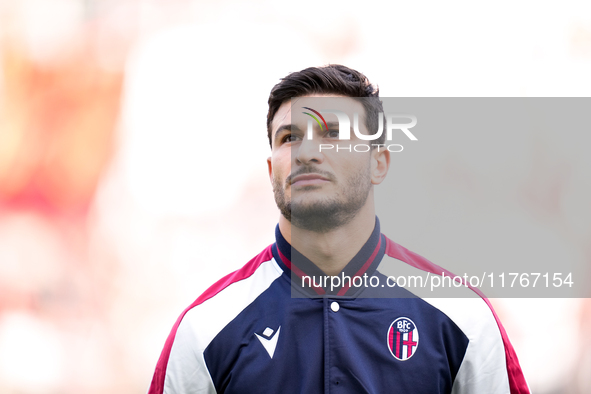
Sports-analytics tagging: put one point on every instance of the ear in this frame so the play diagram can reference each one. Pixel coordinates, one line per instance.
(270, 169)
(380, 163)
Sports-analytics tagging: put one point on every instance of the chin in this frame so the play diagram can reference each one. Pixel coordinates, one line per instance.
(321, 216)
(318, 204)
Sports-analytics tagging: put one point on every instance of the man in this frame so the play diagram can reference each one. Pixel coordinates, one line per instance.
(282, 323)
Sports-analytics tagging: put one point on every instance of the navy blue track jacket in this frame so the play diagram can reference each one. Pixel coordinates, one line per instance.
(267, 329)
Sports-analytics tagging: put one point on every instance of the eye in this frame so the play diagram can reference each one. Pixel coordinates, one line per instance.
(332, 133)
(290, 138)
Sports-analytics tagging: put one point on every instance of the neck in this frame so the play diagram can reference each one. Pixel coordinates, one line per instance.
(332, 250)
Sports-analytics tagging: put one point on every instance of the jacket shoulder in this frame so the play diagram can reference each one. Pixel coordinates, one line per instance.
(473, 313)
(199, 323)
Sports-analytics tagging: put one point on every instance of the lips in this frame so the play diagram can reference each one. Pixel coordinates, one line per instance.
(308, 179)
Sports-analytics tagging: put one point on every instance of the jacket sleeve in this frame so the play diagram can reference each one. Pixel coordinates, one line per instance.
(490, 364)
(181, 368)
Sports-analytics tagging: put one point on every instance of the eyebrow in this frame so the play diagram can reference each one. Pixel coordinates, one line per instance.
(291, 127)
(287, 127)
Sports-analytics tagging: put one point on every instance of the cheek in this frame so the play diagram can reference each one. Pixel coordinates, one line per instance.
(356, 163)
(282, 165)
(278, 172)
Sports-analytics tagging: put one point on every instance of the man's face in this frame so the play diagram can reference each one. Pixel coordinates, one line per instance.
(319, 190)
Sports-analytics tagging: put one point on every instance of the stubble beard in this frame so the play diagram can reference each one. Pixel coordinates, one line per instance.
(327, 214)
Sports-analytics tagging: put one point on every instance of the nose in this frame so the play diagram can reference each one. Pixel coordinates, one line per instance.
(308, 151)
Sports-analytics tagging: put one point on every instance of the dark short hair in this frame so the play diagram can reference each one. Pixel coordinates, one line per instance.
(331, 79)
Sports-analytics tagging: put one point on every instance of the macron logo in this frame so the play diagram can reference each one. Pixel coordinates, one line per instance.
(270, 342)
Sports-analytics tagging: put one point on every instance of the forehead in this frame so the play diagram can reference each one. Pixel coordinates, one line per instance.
(317, 102)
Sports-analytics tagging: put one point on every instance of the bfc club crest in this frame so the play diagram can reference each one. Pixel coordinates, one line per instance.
(403, 338)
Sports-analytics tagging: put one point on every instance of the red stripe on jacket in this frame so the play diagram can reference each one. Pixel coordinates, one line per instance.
(157, 385)
(517, 381)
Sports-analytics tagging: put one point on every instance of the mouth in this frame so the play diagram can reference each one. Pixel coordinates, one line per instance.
(310, 179)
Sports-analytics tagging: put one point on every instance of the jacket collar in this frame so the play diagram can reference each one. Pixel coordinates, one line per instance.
(299, 268)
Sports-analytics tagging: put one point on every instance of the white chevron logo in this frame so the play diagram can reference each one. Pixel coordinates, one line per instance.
(269, 343)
